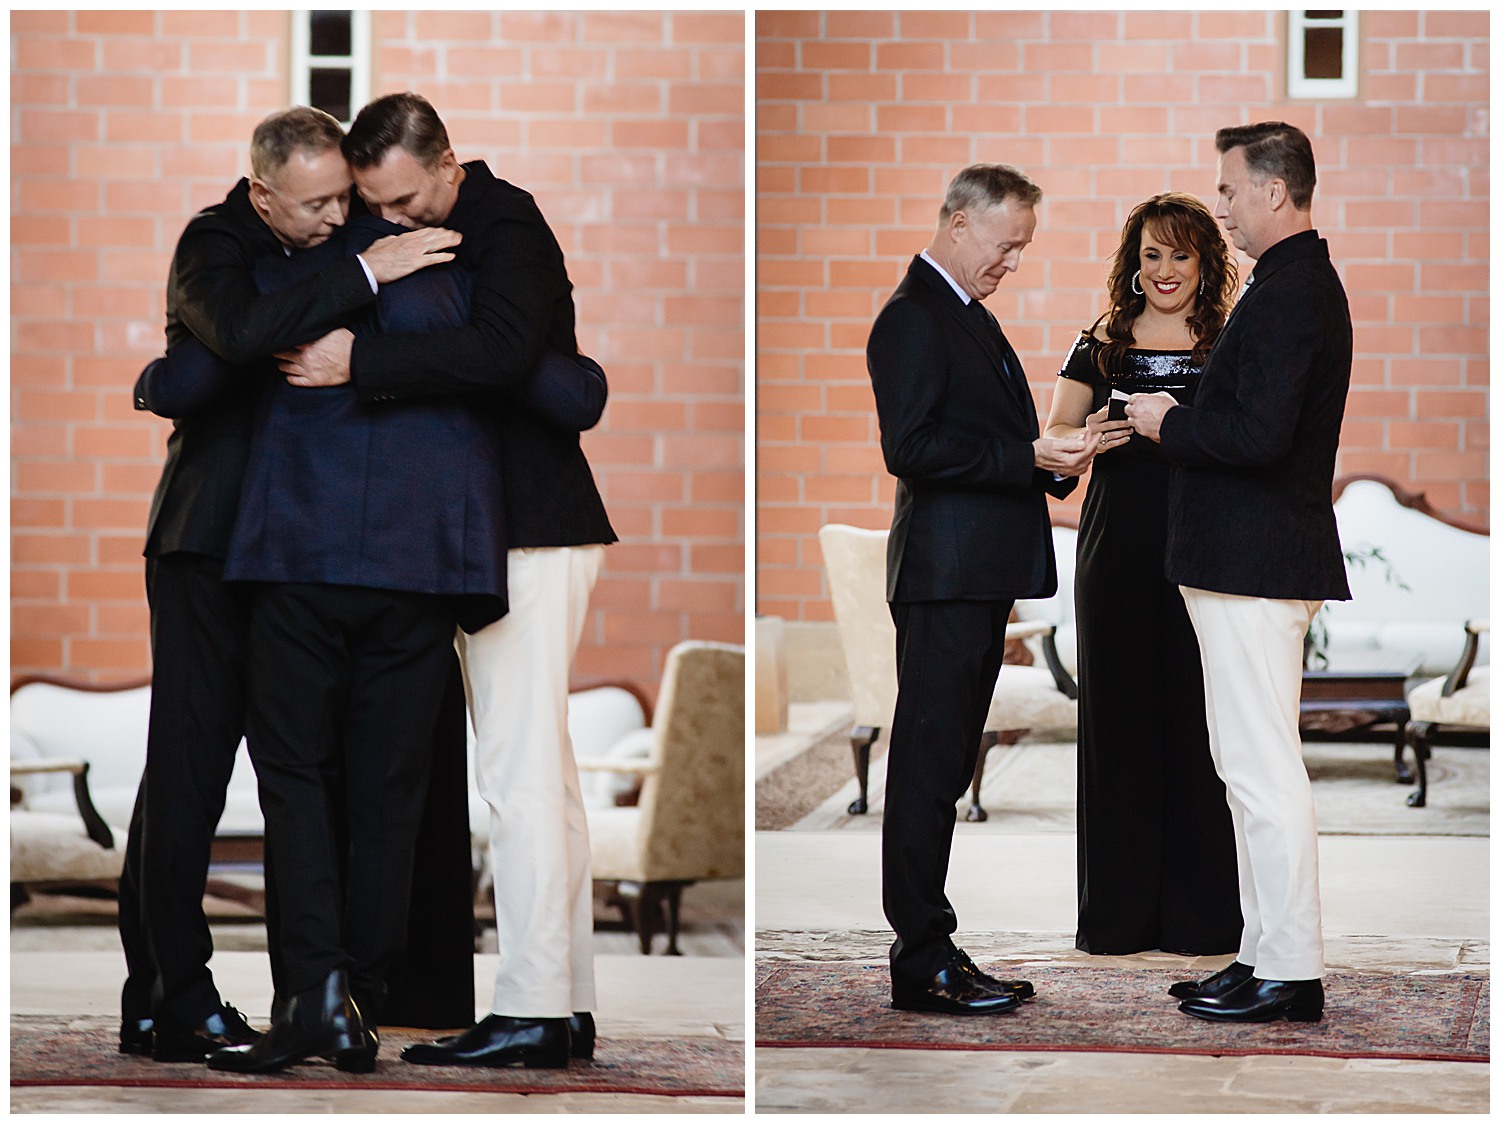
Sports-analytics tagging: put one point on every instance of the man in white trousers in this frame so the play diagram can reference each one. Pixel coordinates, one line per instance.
(516, 670)
(1253, 545)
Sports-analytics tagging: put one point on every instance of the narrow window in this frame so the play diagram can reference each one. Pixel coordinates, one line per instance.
(1322, 54)
(331, 61)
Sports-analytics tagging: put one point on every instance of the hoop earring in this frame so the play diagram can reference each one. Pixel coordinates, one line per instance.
(1135, 285)
(1201, 284)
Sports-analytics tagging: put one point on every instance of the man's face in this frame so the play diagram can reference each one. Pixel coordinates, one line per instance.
(1244, 205)
(306, 199)
(987, 243)
(403, 190)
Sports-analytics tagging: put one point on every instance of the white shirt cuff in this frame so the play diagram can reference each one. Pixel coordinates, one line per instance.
(369, 273)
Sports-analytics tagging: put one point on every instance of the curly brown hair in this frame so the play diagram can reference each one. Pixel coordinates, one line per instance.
(1184, 223)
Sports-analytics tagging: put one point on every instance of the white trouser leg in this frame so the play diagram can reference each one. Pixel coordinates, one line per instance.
(1252, 676)
(516, 675)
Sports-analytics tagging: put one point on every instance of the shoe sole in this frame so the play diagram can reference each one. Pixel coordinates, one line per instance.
(1278, 1016)
(541, 1061)
(907, 1005)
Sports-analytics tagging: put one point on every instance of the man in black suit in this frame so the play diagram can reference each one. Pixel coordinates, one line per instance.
(516, 670)
(297, 196)
(969, 536)
(1252, 542)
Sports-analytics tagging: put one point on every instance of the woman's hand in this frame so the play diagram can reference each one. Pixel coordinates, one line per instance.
(1112, 434)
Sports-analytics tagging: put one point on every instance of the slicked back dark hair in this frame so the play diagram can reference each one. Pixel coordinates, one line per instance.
(1275, 150)
(403, 120)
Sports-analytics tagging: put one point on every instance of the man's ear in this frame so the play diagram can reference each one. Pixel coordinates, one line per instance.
(958, 222)
(448, 166)
(260, 195)
(1276, 193)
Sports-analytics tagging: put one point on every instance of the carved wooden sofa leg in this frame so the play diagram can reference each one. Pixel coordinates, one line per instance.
(987, 741)
(861, 738)
(1418, 735)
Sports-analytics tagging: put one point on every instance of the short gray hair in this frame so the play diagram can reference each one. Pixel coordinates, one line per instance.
(280, 135)
(988, 185)
(1275, 150)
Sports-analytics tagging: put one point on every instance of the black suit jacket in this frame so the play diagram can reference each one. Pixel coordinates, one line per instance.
(522, 302)
(956, 426)
(211, 294)
(1250, 503)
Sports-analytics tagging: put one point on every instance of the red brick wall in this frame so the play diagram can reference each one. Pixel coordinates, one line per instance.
(863, 117)
(629, 130)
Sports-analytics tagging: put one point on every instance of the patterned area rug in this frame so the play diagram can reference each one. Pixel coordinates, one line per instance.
(51, 1050)
(1433, 1017)
(1032, 786)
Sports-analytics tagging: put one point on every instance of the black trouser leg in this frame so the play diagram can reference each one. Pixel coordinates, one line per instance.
(396, 695)
(432, 983)
(345, 686)
(948, 655)
(198, 628)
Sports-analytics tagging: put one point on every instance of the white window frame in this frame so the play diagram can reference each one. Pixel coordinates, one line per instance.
(1298, 84)
(304, 62)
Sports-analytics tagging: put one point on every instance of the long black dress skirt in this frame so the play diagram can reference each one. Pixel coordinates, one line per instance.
(1156, 857)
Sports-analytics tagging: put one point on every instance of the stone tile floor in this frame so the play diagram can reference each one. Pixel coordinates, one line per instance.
(1390, 901)
(70, 963)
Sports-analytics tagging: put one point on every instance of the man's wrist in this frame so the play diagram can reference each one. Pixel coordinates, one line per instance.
(369, 273)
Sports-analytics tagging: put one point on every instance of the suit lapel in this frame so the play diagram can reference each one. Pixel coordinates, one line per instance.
(995, 345)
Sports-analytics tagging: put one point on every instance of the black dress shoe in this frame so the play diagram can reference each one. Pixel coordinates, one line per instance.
(135, 1037)
(1261, 1001)
(952, 991)
(225, 1027)
(1021, 989)
(319, 1022)
(581, 1035)
(499, 1040)
(1221, 981)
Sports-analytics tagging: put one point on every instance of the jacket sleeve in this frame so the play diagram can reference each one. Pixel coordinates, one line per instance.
(213, 283)
(905, 357)
(1276, 351)
(568, 391)
(187, 381)
(519, 278)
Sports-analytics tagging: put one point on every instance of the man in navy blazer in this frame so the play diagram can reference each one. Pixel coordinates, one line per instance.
(1252, 542)
(517, 669)
(970, 535)
(296, 198)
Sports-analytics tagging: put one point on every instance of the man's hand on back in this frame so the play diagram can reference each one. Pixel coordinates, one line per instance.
(396, 255)
(324, 362)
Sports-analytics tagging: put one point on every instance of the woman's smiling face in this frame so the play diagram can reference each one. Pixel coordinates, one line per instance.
(1169, 275)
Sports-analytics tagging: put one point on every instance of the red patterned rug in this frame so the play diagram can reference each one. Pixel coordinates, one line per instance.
(1434, 1017)
(53, 1050)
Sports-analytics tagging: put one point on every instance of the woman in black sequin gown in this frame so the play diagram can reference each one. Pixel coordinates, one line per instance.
(1156, 857)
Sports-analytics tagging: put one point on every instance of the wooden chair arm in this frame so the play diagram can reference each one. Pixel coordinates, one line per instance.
(1060, 675)
(93, 822)
(1460, 673)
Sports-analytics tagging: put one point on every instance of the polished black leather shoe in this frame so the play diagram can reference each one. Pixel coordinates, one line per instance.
(581, 1035)
(499, 1040)
(1021, 989)
(1217, 984)
(1261, 1001)
(135, 1037)
(319, 1022)
(952, 991)
(225, 1027)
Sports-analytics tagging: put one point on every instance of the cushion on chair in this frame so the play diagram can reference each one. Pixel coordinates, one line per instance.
(614, 843)
(1027, 698)
(1468, 706)
(53, 847)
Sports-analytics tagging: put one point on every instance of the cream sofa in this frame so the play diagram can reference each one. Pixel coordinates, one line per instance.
(1442, 564)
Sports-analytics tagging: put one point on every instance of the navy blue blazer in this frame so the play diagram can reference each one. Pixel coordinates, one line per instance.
(956, 426)
(389, 496)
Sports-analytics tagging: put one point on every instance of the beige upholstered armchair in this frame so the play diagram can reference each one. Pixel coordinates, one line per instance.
(58, 839)
(1458, 700)
(1025, 697)
(689, 824)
